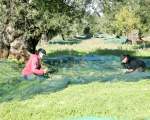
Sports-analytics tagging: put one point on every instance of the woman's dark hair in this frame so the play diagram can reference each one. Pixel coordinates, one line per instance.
(123, 56)
(42, 51)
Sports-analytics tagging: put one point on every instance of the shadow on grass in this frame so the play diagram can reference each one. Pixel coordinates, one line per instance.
(115, 52)
(66, 52)
(70, 41)
(67, 42)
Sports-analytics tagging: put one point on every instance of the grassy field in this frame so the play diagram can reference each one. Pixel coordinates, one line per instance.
(121, 101)
(23, 100)
(96, 46)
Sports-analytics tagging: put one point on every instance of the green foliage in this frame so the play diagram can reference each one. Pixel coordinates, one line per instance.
(126, 20)
(67, 17)
(121, 16)
(144, 14)
(37, 16)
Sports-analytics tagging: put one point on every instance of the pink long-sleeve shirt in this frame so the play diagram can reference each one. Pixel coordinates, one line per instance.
(33, 66)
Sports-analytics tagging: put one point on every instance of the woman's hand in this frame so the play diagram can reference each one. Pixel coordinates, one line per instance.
(45, 71)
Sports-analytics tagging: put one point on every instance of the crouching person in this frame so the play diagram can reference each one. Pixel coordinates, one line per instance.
(33, 68)
(132, 64)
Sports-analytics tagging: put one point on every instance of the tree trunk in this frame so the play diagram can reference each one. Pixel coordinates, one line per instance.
(4, 50)
(63, 37)
(44, 39)
(16, 45)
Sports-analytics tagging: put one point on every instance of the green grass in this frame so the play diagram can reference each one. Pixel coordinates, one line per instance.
(24, 101)
(121, 100)
(36, 100)
(96, 46)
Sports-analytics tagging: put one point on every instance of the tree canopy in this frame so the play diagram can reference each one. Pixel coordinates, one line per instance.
(25, 21)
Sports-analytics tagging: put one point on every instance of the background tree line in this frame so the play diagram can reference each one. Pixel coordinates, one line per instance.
(23, 22)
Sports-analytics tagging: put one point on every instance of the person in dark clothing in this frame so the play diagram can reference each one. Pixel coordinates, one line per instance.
(132, 64)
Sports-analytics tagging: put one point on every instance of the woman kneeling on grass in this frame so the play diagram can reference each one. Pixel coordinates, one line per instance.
(33, 65)
(132, 64)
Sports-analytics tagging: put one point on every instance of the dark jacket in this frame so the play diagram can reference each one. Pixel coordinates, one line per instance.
(134, 64)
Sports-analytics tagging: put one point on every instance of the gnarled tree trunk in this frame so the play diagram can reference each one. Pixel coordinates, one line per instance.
(135, 37)
(15, 44)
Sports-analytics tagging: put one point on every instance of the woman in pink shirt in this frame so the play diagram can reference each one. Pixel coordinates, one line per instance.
(33, 65)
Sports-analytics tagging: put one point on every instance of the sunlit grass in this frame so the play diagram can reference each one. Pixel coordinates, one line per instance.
(124, 101)
(96, 46)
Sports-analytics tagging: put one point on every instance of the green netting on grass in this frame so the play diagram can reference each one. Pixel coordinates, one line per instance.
(105, 68)
(80, 70)
(112, 39)
(67, 41)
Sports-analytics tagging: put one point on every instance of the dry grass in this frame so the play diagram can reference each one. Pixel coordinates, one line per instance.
(93, 45)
